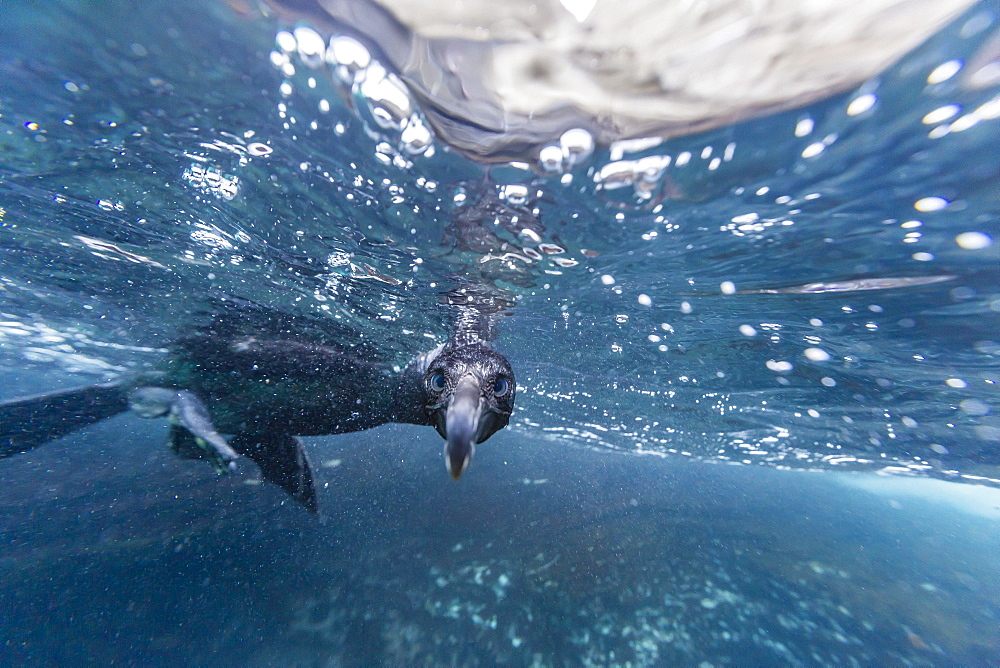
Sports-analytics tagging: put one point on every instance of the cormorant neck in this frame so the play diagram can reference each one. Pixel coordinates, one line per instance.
(471, 325)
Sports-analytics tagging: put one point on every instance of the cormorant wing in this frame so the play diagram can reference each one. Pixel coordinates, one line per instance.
(282, 461)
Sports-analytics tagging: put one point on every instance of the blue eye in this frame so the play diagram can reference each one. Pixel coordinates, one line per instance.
(501, 387)
(437, 382)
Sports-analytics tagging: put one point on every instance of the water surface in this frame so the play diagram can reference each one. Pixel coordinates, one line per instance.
(811, 290)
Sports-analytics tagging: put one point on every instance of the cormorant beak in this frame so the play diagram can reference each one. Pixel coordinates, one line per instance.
(462, 425)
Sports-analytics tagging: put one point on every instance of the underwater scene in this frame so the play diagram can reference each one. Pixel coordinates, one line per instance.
(329, 337)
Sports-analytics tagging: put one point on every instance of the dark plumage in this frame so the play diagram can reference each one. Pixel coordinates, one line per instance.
(269, 388)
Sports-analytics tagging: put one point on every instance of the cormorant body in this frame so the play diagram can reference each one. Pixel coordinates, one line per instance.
(268, 389)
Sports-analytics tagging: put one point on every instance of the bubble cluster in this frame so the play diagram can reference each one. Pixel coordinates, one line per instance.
(210, 179)
(647, 176)
(379, 96)
(574, 147)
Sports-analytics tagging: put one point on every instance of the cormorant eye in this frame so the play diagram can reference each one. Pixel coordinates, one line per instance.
(437, 382)
(501, 387)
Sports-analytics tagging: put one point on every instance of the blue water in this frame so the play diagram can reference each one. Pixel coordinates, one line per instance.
(757, 418)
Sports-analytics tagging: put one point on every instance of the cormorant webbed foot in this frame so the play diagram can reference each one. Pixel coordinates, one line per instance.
(184, 409)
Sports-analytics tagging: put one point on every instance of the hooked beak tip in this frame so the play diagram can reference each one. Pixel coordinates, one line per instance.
(455, 468)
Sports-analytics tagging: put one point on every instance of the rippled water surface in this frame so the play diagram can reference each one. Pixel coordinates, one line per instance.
(687, 319)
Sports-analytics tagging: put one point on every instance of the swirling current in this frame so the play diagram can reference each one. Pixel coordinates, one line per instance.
(690, 319)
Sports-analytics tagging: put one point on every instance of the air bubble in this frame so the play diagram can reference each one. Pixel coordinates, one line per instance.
(348, 57)
(973, 240)
(861, 104)
(577, 145)
(387, 98)
(515, 194)
(616, 174)
(804, 127)
(550, 159)
(930, 204)
(941, 114)
(944, 71)
(416, 137)
(649, 172)
(257, 149)
(975, 407)
(816, 354)
(285, 41)
(813, 149)
(312, 49)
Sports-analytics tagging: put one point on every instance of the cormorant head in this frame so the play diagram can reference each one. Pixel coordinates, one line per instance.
(471, 395)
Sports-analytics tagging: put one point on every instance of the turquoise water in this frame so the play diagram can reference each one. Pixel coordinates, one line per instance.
(757, 415)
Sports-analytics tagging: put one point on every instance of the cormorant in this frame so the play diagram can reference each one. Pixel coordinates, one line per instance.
(269, 388)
